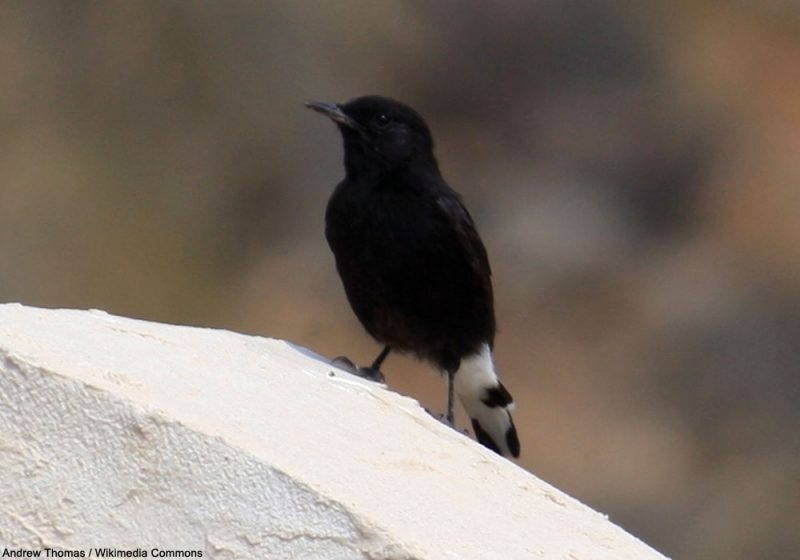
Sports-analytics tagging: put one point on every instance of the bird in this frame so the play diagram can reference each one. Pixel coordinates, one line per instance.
(413, 266)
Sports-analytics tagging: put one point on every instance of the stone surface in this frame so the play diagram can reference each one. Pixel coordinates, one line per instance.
(128, 434)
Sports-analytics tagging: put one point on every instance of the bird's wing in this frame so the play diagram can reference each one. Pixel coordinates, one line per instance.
(460, 222)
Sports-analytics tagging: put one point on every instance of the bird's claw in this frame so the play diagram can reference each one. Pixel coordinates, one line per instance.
(371, 374)
(448, 422)
(345, 363)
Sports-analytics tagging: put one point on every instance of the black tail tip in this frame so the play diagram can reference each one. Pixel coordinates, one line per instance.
(512, 440)
(497, 396)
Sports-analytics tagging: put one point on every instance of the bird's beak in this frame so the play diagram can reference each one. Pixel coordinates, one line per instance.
(333, 112)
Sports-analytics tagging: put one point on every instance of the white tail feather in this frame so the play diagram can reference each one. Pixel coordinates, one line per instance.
(487, 402)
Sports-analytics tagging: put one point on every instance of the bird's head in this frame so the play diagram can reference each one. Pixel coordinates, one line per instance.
(380, 134)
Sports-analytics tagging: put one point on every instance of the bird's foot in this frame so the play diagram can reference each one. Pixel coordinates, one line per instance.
(369, 373)
(447, 422)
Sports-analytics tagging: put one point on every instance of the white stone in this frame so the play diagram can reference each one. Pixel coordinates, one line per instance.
(128, 434)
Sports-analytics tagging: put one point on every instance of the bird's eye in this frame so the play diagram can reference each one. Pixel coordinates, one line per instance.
(381, 120)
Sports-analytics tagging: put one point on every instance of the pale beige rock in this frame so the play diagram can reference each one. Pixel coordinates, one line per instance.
(128, 434)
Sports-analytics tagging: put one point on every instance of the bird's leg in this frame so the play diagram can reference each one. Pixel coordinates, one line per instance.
(449, 415)
(376, 364)
(373, 372)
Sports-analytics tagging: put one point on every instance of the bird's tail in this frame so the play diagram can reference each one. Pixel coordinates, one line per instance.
(487, 403)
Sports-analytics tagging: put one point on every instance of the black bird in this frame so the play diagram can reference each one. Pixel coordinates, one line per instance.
(413, 266)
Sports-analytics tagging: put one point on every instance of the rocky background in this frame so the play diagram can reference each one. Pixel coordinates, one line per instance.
(633, 167)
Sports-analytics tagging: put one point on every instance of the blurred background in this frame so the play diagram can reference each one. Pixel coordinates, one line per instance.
(633, 167)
